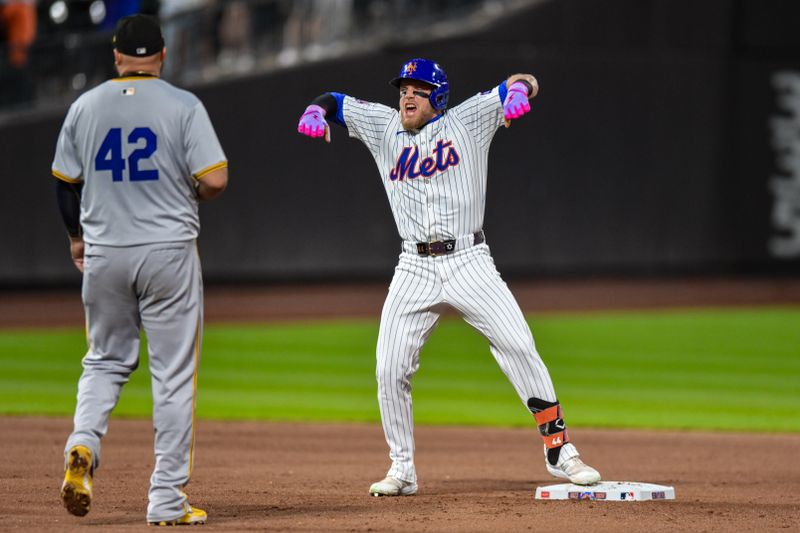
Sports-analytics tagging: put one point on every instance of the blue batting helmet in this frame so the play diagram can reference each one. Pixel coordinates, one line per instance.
(429, 72)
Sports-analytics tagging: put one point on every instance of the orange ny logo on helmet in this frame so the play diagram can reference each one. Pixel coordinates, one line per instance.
(411, 67)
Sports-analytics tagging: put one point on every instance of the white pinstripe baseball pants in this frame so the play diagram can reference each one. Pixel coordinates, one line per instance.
(468, 281)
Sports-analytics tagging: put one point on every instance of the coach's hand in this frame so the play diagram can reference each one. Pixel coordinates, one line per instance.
(313, 123)
(76, 251)
(516, 102)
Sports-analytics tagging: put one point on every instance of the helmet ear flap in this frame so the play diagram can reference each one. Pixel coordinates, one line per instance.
(439, 96)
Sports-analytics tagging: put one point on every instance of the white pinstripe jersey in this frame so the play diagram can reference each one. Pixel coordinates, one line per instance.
(435, 178)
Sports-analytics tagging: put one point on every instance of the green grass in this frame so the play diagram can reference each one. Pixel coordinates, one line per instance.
(702, 369)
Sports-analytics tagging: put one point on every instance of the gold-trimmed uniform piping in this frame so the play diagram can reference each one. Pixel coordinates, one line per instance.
(134, 78)
(194, 394)
(64, 177)
(197, 342)
(208, 170)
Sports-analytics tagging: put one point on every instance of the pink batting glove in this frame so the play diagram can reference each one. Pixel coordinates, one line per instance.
(313, 123)
(516, 103)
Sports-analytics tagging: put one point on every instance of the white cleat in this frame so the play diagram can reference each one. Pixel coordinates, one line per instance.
(393, 487)
(574, 470)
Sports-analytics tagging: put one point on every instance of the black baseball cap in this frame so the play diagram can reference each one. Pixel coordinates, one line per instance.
(138, 35)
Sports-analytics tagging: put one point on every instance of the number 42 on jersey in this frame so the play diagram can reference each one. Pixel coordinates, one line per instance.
(109, 156)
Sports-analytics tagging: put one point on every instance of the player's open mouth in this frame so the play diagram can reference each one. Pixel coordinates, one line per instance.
(410, 109)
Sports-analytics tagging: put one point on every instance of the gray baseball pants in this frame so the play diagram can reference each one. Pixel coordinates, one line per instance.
(156, 288)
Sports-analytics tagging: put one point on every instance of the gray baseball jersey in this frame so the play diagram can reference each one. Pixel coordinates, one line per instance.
(435, 179)
(138, 144)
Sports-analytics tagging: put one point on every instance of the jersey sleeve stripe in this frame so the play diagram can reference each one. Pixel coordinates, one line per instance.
(502, 90)
(339, 118)
(208, 170)
(133, 78)
(63, 177)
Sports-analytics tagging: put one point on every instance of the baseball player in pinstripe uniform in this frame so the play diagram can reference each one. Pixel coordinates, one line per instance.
(134, 156)
(433, 164)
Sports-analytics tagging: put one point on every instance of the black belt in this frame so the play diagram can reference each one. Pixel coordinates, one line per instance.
(445, 247)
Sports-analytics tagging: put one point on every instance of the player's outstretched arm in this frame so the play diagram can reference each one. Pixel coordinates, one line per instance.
(312, 122)
(521, 88)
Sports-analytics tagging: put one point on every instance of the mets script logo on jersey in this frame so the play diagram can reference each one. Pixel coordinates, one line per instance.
(409, 166)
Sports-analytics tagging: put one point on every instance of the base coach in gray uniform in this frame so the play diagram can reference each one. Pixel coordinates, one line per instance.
(134, 157)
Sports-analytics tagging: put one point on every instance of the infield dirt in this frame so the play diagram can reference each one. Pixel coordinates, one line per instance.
(257, 476)
(304, 477)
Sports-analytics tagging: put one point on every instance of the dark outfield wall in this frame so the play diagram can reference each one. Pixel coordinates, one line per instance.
(649, 150)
